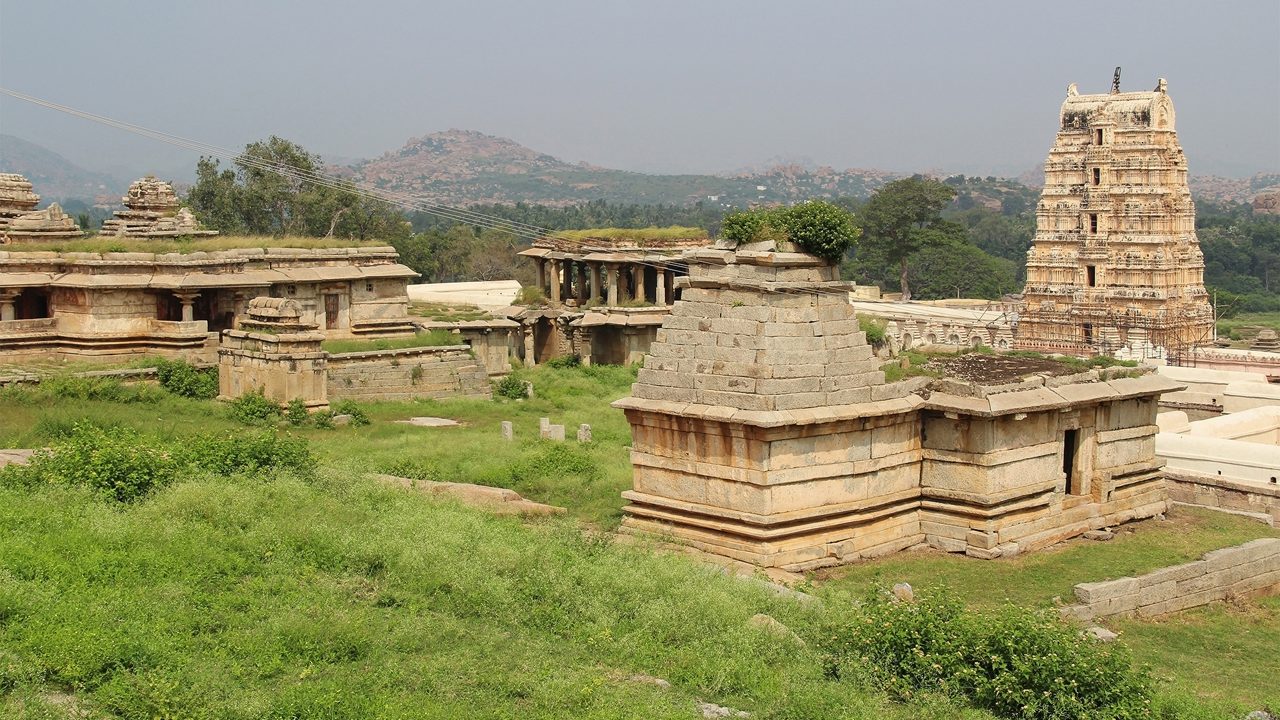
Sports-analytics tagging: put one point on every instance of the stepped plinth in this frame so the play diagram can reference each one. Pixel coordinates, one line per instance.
(152, 211)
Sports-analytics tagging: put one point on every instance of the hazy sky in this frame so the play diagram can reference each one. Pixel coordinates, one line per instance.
(656, 86)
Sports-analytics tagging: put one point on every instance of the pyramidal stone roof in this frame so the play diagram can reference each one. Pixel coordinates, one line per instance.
(763, 337)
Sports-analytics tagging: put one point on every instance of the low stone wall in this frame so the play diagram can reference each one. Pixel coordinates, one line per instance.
(434, 372)
(1261, 500)
(1248, 569)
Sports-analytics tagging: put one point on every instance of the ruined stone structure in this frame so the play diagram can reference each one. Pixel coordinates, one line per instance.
(20, 220)
(763, 430)
(120, 303)
(279, 354)
(152, 211)
(605, 297)
(1115, 266)
(275, 353)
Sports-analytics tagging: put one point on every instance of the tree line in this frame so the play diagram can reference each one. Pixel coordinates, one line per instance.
(926, 238)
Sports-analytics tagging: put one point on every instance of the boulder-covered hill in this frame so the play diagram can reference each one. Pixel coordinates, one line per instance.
(53, 177)
(463, 167)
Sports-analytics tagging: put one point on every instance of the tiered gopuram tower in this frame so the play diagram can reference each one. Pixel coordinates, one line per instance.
(1116, 267)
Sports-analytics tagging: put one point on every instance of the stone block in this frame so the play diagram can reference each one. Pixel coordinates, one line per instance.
(544, 428)
(849, 397)
(584, 433)
(508, 430)
(985, 541)
(946, 544)
(1094, 592)
(981, 553)
(556, 433)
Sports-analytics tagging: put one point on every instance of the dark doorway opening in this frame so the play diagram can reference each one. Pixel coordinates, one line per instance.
(1069, 441)
(1092, 272)
(330, 312)
(31, 305)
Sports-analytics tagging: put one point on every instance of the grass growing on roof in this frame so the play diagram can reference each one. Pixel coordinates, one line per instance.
(445, 312)
(428, 339)
(105, 244)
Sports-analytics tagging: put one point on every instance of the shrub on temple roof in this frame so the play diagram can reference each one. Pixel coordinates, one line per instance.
(818, 227)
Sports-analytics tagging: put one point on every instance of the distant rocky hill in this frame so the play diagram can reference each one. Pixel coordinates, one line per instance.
(1222, 189)
(462, 167)
(52, 176)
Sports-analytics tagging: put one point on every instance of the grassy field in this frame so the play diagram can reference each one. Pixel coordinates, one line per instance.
(1245, 326)
(337, 597)
(1211, 653)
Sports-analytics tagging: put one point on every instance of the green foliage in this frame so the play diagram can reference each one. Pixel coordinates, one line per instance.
(185, 380)
(433, 338)
(564, 361)
(350, 407)
(257, 201)
(1241, 257)
(818, 227)
(247, 453)
(255, 409)
(905, 217)
(531, 295)
(874, 328)
(85, 388)
(296, 413)
(116, 463)
(510, 387)
(1015, 662)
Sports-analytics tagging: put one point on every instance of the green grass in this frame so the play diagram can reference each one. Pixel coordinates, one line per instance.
(103, 244)
(1035, 579)
(443, 312)
(427, 339)
(338, 597)
(1244, 326)
(344, 599)
(588, 479)
(1216, 653)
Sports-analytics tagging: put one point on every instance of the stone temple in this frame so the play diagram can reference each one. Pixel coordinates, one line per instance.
(763, 430)
(1115, 267)
(152, 210)
(21, 221)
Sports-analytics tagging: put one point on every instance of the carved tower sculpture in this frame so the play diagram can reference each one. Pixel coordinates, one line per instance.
(1115, 267)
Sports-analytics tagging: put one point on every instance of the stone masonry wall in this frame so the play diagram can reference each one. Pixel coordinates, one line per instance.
(435, 372)
(1230, 494)
(1247, 569)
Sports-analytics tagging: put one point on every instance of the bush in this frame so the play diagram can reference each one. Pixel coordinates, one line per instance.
(530, 295)
(349, 407)
(510, 387)
(255, 409)
(99, 389)
(818, 227)
(249, 453)
(117, 463)
(185, 380)
(296, 413)
(874, 328)
(565, 361)
(1015, 662)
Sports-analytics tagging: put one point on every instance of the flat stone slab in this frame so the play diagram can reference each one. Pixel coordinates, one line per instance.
(429, 422)
(15, 456)
(500, 501)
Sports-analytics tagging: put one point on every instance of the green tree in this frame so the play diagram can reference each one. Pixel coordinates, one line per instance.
(278, 189)
(905, 217)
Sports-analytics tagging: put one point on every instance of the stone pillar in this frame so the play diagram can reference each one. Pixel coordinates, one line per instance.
(7, 299)
(660, 286)
(613, 283)
(555, 281)
(669, 285)
(188, 305)
(584, 346)
(529, 352)
(542, 273)
(637, 282)
(566, 280)
(583, 297)
(595, 280)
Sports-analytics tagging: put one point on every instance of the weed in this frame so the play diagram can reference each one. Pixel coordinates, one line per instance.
(255, 409)
(185, 380)
(296, 413)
